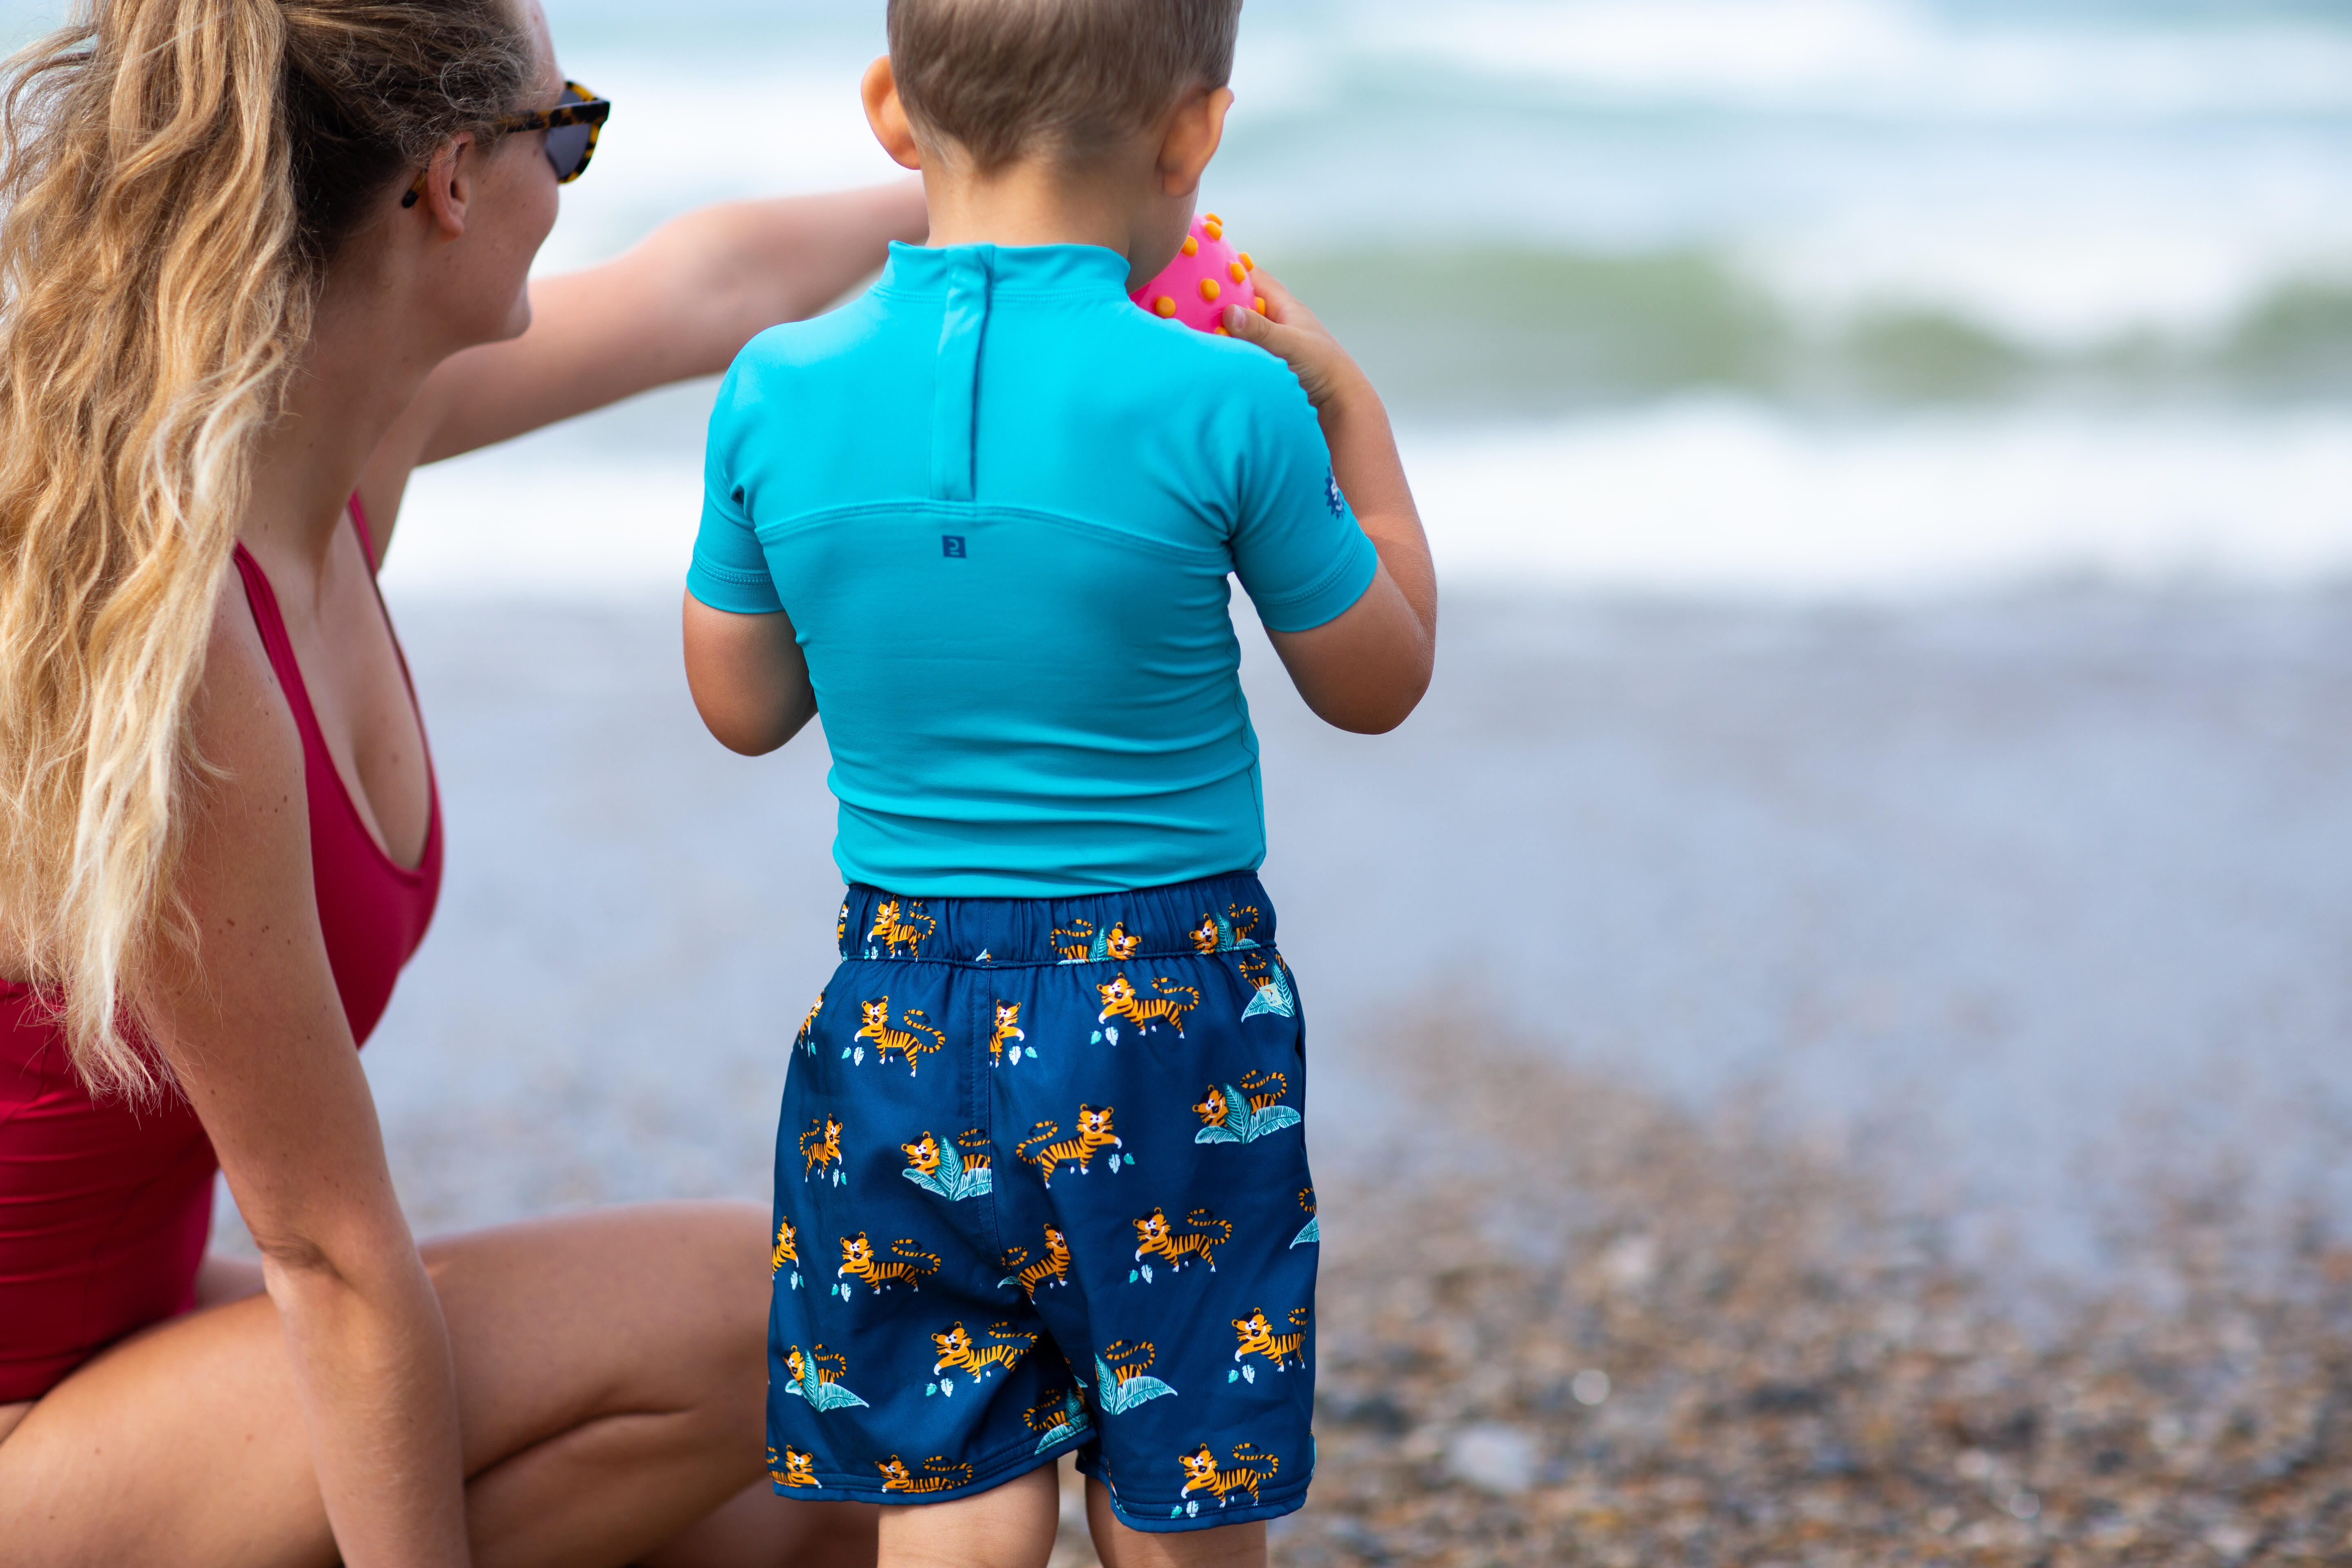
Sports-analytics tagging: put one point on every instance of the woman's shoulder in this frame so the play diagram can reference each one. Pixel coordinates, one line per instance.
(240, 721)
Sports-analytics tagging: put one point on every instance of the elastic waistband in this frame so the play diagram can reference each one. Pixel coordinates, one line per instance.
(1219, 914)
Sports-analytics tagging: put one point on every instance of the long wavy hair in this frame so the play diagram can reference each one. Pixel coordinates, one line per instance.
(176, 177)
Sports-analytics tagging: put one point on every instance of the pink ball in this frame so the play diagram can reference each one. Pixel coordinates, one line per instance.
(1207, 275)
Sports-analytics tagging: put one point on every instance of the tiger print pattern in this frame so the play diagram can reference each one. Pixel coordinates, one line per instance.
(1054, 1267)
(794, 1470)
(1043, 1150)
(1160, 1239)
(894, 933)
(1076, 943)
(1120, 1000)
(940, 1475)
(1257, 1338)
(908, 1265)
(1008, 1030)
(971, 984)
(821, 1146)
(1213, 1108)
(923, 1153)
(913, 1042)
(958, 1353)
(1249, 1471)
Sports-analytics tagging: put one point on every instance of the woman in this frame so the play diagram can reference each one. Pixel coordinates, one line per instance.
(260, 259)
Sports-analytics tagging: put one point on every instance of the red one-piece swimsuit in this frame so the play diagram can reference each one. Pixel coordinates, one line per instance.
(104, 1208)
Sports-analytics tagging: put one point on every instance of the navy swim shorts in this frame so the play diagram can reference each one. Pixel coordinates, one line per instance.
(1042, 1186)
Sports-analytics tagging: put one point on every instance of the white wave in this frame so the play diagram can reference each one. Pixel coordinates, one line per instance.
(1737, 126)
(1725, 499)
(1883, 57)
(1700, 498)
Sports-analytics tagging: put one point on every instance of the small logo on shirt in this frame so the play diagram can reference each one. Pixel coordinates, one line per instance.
(952, 546)
(1331, 496)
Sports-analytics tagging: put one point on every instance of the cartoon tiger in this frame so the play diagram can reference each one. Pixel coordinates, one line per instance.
(787, 1247)
(907, 1264)
(957, 1350)
(1119, 945)
(1129, 1361)
(1158, 1238)
(821, 1145)
(894, 933)
(1121, 1001)
(829, 1365)
(1077, 944)
(794, 1470)
(1064, 1413)
(914, 1042)
(938, 1475)
(1214, 936)
(1257, 1338)
(923, 1153)
(1008, 1020)
(1249, 1471)
(808, 1027)
(1214, 1109)
(1094, 1135)
(1054, 1267)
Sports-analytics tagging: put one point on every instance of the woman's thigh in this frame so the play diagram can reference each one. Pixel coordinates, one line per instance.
(611, 1374)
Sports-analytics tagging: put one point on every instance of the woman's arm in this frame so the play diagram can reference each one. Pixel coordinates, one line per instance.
(248, 1017)
(681, 304)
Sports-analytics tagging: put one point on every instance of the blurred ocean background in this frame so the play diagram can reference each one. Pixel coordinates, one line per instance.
(1891, 464)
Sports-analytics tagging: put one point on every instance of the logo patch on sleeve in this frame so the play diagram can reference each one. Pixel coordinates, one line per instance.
(1331, 496)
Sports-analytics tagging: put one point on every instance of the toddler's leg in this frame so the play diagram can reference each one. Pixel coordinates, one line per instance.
(1011, 1526)
(1235, 1546)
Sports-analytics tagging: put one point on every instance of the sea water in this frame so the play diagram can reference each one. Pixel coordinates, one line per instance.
(1796, 298)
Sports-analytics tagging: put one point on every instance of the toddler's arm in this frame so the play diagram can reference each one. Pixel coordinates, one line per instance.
(1365, 671)
(749, 679)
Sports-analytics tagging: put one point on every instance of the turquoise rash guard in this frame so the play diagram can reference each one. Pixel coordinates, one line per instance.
(1000, 505)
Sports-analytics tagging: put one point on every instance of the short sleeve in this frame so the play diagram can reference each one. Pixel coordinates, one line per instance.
(1297, 546)
(729, 571)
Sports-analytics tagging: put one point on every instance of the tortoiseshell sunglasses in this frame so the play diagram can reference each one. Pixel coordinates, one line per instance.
(572, 127)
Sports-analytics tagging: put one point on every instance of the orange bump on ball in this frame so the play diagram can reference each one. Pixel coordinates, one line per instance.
(1208, 289)
(1247, 264)
(1191, 246)
(1221, 331)
(1260, 307)
(1240, 273)
(1164, 305)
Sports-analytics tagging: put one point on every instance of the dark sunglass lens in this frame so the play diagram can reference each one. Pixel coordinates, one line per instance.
(566, 146)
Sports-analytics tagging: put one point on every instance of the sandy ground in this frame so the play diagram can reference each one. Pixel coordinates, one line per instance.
(1790, 1087)
(2001, 901)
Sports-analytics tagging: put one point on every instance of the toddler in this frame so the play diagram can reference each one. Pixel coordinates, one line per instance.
(1041, 1184)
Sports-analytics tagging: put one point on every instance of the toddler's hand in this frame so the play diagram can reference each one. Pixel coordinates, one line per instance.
(1291, 331)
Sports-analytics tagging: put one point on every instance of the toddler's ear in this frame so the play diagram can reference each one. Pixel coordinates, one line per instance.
(1194, 131)
(887, 115)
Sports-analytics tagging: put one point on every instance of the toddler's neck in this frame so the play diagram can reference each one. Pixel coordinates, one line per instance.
(1032, 202)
